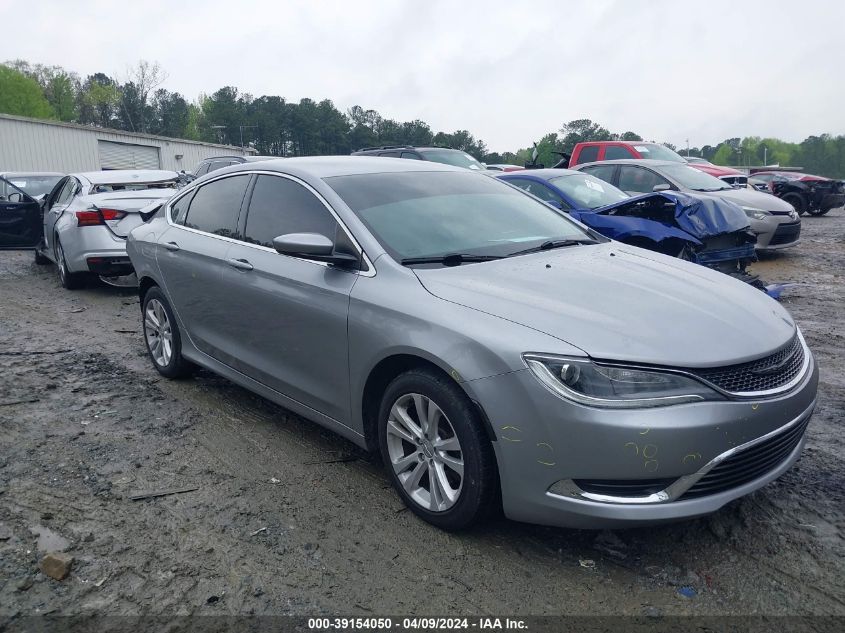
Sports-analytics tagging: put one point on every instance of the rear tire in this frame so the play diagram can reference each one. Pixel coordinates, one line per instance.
(437, 453)
(162, 336)
(69, 280)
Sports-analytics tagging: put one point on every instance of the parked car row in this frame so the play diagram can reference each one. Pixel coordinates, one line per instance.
(87, 217)
(712, 231)
(481, 333)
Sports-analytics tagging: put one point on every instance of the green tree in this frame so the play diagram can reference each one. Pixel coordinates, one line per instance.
(98, 101)
(22, 95)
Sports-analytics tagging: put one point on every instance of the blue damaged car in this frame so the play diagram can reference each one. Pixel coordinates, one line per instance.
(708, 231)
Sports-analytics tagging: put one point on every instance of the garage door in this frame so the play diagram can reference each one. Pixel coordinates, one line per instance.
(128, 156)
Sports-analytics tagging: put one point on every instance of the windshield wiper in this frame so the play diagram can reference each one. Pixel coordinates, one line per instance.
(550, 244)
(452, 259)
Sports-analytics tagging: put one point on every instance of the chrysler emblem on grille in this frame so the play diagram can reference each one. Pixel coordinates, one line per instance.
(771, 369)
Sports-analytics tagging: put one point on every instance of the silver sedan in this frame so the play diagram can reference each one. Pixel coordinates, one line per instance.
(489, 347)
(87, 216)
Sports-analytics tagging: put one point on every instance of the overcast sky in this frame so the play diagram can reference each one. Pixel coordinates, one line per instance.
(509, 71)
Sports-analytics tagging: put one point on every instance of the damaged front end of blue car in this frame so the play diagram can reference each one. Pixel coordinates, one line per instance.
(712, 232)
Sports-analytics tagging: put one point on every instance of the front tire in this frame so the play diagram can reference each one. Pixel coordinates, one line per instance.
(797, 202)
(162, 337)
(437, 452)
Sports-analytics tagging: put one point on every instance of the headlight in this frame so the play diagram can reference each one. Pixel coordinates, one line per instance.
(757, 214)
(587, 383)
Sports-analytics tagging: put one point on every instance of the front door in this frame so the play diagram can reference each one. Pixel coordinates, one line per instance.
(288, 316)
(20, 217)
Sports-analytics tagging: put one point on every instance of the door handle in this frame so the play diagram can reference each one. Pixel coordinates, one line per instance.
(171, 246)
(240, 264)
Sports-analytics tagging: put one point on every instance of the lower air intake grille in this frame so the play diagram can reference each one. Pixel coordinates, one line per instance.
(749, 464)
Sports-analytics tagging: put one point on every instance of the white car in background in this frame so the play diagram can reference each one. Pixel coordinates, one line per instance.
(87, 217)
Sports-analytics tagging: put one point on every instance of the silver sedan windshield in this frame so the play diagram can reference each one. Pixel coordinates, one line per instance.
(430, 214)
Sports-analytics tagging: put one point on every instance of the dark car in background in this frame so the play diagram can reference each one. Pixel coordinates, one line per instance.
(811, 194)
(709, 231)
(20, 207)
(444, 155)
(774, 221)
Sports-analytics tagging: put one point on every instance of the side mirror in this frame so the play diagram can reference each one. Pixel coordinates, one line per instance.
(313, 246)
(662, 187)
(15, 197)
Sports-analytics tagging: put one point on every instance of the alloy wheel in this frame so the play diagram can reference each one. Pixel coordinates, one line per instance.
(158, 333)
(425, 452)
(60, 261)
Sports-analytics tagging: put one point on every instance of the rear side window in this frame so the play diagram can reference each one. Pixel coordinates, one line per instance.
(411, 155)
(639, 180)
(617, 152)
(588, 154)
(280, 206)
(389, 154)
(179, 209)
(216, 206)
(603, 172)
(218, 164)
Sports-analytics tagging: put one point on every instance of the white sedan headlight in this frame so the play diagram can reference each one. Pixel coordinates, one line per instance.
(757, 214)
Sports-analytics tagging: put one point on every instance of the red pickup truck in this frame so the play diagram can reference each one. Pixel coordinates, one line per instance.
(614, 150)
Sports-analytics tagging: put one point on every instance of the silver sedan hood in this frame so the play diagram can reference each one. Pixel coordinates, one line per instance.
(748, 198)
(618, 302)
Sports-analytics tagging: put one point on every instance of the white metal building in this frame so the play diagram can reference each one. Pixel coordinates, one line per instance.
(36, 145)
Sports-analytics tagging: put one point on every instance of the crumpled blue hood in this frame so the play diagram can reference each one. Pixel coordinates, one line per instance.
(700, 218)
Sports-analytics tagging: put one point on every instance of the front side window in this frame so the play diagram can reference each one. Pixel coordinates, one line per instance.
(588, 192)
(280, 206)
(411, 155)
(215, 206)
(639, 179)
(434, 214)
(389, 154)
(540, 190)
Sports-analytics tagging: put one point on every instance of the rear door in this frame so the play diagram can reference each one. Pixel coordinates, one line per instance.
(20, 217)
(191, 256)
(56, 204)
(287, 324)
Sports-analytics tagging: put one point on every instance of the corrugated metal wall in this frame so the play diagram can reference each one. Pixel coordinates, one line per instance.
(32, 145)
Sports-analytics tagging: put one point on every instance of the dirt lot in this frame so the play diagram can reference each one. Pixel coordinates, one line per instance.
(287, 518)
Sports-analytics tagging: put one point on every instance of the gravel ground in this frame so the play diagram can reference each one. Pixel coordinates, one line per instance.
(287, 518)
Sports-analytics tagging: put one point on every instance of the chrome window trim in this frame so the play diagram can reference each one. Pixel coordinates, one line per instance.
(370, 272)
(676, 489)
